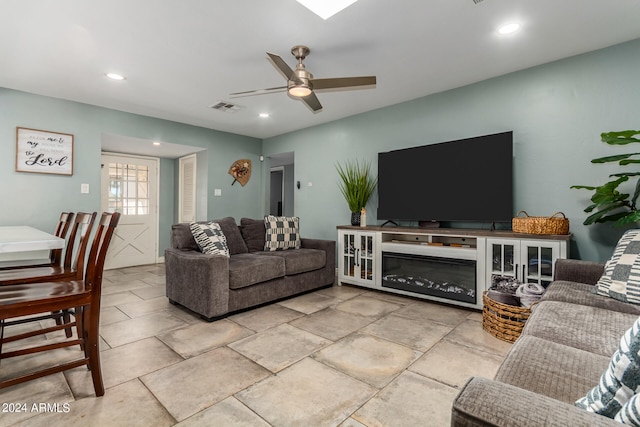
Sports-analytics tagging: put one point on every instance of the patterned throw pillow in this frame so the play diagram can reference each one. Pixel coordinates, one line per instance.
(209, 238)
(630, 412)
(281, 233)
(621, 278)
(620, 381)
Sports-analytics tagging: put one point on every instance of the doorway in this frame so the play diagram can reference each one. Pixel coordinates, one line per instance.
(276, 204)
(281, 184)
(130, 186)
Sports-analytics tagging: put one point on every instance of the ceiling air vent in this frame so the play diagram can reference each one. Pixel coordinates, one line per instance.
(227, 107)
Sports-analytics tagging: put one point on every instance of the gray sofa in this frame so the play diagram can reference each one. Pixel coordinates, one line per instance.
(565, 347)
(215, 285)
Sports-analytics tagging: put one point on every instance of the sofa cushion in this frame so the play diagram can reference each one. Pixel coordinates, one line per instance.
(182, 238)
(300, 260)
(584, 294)
(232, 233)
(210, 238)
(281, 233)
(620, 380)
(621, 278)
(253, 232)
(555, 370)
(592, 329)
(249, 269)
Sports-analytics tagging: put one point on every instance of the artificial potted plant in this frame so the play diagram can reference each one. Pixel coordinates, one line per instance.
(609, 204)
(357, 186)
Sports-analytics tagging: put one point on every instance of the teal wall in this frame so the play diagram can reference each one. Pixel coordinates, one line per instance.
(37, 199)
(556, 111)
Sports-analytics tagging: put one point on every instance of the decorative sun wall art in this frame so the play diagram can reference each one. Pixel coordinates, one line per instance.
(240, 170)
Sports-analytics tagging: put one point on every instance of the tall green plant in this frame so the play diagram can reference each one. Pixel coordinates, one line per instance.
(356, 183)
(610, 204)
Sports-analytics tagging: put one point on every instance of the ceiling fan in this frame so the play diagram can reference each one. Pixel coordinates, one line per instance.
(300, 82)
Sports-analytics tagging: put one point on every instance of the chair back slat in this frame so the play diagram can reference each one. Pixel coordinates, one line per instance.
(78, 242)
(99, 247)
(61, 231)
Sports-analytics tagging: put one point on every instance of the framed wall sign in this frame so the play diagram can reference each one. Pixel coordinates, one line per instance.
(42, 151)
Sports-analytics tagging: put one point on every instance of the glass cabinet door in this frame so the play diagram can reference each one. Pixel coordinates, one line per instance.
(504, 258)
(357, 256)
(539, 262)
(366, 257)
(349, 255)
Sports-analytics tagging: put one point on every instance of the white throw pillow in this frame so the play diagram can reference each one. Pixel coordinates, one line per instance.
(621, 277)
(630, 412)
(281, 233)
(621, 381)
(210, 238)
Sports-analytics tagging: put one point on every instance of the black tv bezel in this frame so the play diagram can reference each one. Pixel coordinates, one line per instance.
(505, 138)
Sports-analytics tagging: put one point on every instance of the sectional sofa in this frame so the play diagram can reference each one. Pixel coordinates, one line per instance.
(565, 347)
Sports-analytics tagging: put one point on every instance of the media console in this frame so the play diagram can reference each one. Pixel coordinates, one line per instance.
(444, 264)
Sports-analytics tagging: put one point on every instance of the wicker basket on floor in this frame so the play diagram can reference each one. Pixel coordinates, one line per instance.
(503, 321)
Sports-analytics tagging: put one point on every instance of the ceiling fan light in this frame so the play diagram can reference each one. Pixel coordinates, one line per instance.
(299, 91)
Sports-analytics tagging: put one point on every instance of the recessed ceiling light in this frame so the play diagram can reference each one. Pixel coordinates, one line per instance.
(325, 9)
(509, 28)
(115, 76)
(263, 115)
(156, 144)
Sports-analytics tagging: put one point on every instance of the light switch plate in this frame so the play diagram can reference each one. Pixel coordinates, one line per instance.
(84, 188)
(217, 192)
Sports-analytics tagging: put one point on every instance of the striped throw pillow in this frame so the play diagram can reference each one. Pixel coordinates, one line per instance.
(621, 277)
(620, 382)
(281, 233)
(210, 238)
(630, 412)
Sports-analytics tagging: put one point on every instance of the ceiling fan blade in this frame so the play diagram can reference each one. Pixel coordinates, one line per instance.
(282, 66)
(312, 102)
(343, 82)
(258, 92)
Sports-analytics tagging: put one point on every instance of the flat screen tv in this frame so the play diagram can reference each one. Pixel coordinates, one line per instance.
(467, 180)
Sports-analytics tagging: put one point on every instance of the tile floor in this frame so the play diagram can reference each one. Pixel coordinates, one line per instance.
(342, 356)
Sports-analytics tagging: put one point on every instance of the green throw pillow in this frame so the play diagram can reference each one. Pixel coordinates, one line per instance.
(620, 381)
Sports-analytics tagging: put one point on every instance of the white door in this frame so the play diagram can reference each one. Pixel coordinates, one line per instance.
(187, 189)
(130, 186)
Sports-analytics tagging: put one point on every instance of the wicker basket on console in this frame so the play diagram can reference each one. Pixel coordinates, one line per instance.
(503, 321)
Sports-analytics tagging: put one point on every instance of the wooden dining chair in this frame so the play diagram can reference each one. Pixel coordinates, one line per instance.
(55, 256)
(71, 268)
(43, 298)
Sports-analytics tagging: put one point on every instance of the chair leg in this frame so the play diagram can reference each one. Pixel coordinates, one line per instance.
(91, 330)
(78, 313)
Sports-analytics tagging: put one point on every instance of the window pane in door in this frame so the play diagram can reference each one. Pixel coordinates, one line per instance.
(128, 189)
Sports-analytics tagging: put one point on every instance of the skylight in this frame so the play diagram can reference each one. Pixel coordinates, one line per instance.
(325, 9)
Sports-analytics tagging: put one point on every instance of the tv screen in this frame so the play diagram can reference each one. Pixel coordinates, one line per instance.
(465, 180)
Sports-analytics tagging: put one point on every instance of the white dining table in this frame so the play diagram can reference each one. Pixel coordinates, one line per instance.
(19, 242)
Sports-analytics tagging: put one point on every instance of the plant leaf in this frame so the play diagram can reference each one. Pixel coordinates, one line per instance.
(599, 216)
(616, 158)
(620, 137)
(628, 218)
